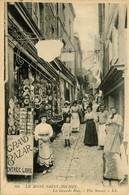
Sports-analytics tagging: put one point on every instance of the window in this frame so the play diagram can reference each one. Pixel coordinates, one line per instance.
(42, 19)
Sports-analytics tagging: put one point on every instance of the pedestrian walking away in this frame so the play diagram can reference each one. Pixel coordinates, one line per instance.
(43, 132)
(66, 130)
(91, 138)
(75, 122)
(102, 118)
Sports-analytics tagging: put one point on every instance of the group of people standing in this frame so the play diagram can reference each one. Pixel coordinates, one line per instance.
(80, 113)
(105, 136)
(108, 135)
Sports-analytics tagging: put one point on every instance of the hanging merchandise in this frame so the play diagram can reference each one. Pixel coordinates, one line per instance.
(40, 91)
(31, 78)
(26, 82)
(13, 117)
(38, 106)
(26, 121)
(30, 121)
(50, 98)
(26, 101)
(23, 117)
(38, 99)
(46, 107)
(11, 104)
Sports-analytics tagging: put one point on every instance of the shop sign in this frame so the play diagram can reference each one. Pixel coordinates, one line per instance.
(19, 155)
(49, 49)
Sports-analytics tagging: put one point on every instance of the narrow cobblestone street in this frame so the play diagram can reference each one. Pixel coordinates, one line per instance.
(78, 163)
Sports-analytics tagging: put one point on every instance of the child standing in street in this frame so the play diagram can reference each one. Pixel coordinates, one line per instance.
(66, 130)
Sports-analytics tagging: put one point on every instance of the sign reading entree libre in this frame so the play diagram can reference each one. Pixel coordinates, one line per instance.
(19, 155)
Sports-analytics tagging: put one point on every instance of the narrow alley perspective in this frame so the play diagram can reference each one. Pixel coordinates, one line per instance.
(77, 163)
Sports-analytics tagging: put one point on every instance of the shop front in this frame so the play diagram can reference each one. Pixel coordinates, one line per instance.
(35, 91)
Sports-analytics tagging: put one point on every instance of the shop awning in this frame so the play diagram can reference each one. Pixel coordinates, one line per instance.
(113, 78)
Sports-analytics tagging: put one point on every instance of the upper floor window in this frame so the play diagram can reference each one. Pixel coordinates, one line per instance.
(42, 18)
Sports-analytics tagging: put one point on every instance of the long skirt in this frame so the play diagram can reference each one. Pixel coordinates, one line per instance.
(112, 140)
(101, 135)
(91, 138)
(113, 162)
(45, 156)
(112, 166)
(75, 122)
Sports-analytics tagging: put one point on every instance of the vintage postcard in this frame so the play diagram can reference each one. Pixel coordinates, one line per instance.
(64, 97)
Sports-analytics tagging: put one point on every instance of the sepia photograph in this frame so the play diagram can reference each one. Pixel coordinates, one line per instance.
(65, 112)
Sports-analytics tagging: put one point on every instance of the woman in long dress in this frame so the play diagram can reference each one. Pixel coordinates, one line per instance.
(114, 137)
(91, 138)
(75, 122)
(43, 132)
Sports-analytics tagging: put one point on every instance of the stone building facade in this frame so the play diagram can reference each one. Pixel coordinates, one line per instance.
(44, 21)
(113, 44)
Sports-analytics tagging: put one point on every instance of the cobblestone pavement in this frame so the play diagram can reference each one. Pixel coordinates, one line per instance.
(78, 163)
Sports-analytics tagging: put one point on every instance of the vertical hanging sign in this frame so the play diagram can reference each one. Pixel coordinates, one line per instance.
(19, 155)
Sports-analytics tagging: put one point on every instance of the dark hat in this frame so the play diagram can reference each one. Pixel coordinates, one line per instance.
(42, 115)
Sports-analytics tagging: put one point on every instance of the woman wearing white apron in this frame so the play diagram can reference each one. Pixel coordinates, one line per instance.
(75, 122)
(43, 132)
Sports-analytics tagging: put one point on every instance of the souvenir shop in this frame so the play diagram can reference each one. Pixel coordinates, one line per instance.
(36, 91)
